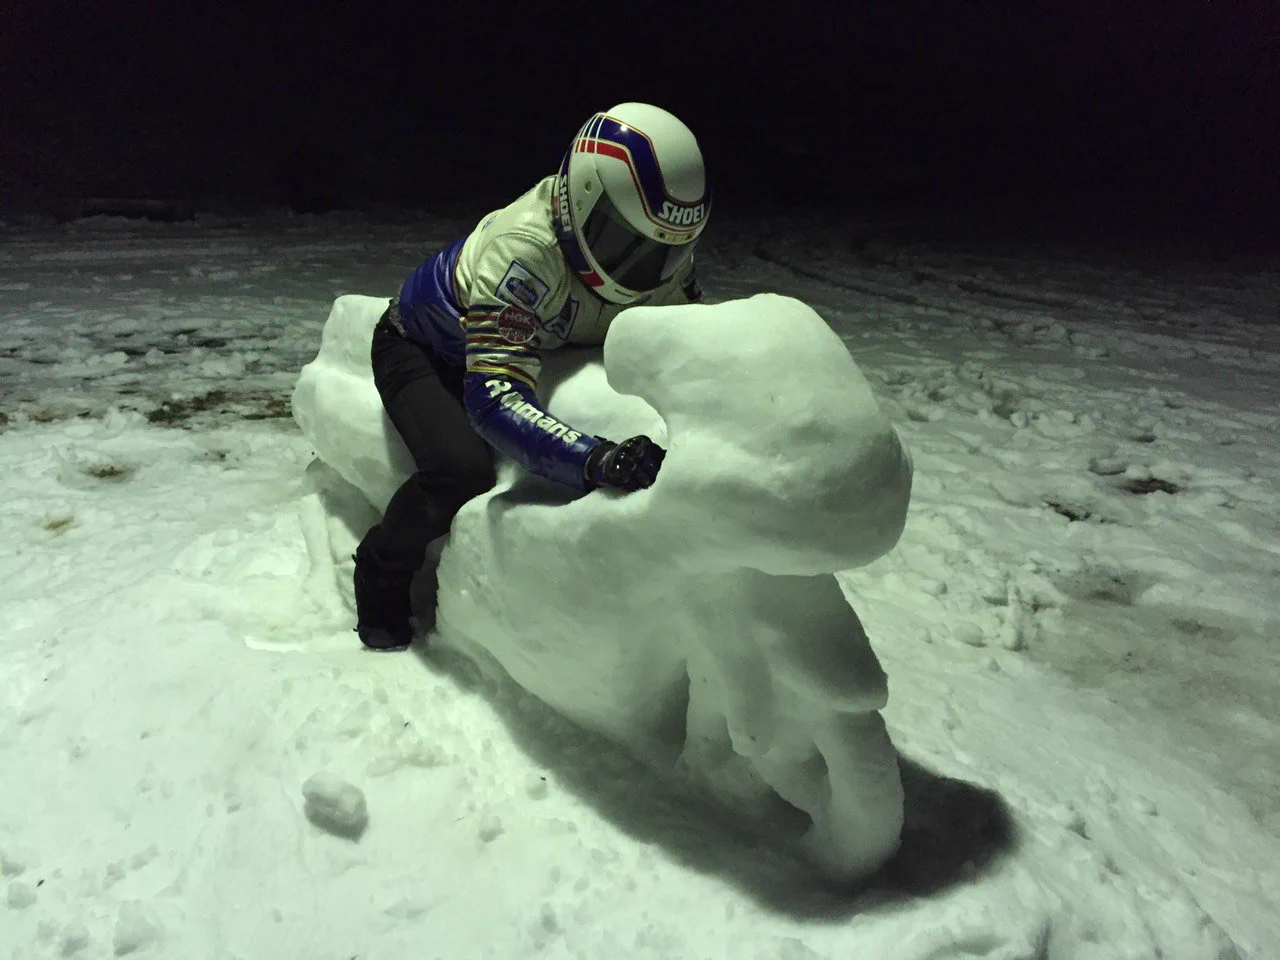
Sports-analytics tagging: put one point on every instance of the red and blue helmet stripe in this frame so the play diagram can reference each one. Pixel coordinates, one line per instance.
(605, 136)
(608, 137)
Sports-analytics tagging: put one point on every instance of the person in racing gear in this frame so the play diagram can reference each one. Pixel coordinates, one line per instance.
(456, 357)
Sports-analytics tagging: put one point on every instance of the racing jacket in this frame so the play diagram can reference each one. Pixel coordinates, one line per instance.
(490, 303)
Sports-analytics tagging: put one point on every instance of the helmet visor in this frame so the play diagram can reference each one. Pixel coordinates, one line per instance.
(628, 258)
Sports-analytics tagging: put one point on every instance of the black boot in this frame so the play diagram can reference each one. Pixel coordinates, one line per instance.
(382, 606)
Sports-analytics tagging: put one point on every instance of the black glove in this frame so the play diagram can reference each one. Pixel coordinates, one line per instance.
(630, 465)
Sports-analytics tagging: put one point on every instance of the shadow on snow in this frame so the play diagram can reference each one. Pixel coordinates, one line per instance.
(953, 830)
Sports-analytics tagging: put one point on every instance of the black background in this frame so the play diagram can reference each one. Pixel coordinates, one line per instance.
(1104, 114)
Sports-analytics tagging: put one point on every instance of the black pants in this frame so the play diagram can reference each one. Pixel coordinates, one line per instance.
(423, 398)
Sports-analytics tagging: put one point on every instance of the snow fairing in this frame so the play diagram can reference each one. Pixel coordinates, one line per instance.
(698, 623)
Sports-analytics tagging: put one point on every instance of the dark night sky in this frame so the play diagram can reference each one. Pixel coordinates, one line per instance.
(1169, 111)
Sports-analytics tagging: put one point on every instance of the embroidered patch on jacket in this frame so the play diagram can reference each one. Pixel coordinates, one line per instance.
(522, 287)
(517, 325)
(562, 325)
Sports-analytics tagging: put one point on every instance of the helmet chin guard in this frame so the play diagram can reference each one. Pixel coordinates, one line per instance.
(631, 201)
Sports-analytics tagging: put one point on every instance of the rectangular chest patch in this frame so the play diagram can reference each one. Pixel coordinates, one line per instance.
(520, 286)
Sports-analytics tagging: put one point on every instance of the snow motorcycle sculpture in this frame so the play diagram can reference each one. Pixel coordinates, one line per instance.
(698, 623)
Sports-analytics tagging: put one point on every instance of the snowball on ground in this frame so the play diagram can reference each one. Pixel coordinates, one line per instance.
(335, 805)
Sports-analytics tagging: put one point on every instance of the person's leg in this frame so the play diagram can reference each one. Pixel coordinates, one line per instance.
(453, 465)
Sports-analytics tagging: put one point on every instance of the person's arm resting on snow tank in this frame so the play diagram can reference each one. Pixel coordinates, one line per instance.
(517, 286)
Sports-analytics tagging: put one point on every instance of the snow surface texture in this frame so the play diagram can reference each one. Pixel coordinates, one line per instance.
(1084, 670)
(698, 620)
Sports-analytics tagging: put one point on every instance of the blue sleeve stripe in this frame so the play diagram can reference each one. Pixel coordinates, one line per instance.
(515, 423)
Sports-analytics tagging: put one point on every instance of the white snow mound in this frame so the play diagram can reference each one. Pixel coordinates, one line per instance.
(697, 623)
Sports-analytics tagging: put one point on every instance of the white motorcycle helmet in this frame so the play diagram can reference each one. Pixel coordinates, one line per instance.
(631, 199)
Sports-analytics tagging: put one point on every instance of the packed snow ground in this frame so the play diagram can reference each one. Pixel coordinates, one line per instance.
(1078, 628)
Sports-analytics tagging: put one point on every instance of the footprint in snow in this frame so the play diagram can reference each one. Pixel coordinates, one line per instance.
(110, 471)
(1144, 485)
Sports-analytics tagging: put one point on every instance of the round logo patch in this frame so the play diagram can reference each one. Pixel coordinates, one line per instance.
(517, 325)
